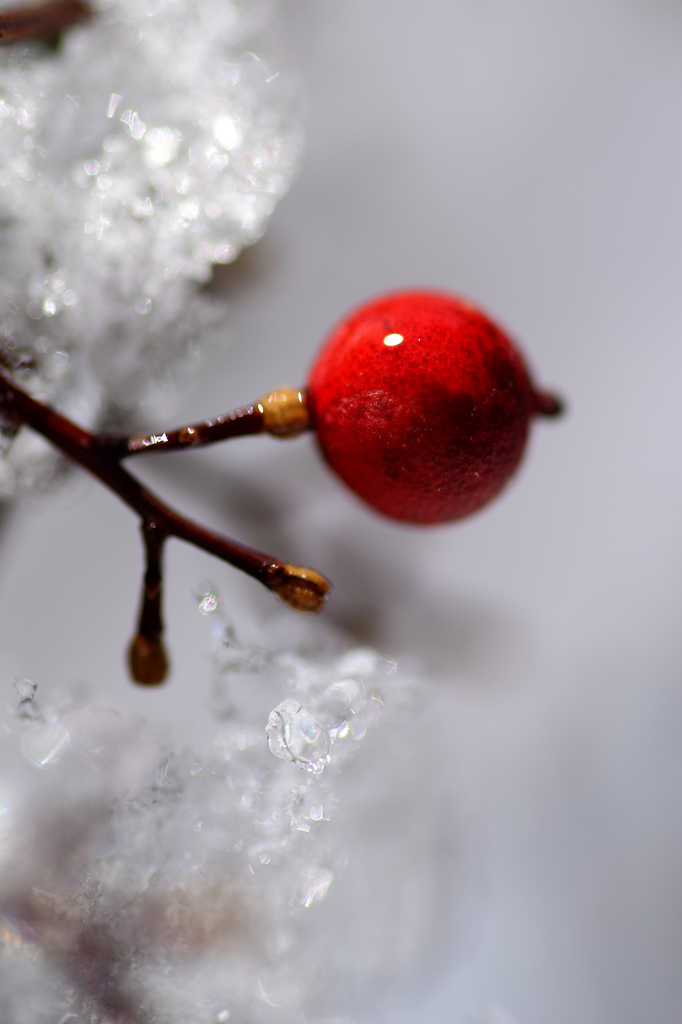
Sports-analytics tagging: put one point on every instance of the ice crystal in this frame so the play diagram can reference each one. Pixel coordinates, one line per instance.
(143, 882)
(45, 744)
(153, 145)
(294, 735)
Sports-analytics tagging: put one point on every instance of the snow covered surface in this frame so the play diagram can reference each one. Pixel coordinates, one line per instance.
(152, 881)
(152, 145)
(524, 155)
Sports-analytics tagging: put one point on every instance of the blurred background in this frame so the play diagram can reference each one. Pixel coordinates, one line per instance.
(527, 155)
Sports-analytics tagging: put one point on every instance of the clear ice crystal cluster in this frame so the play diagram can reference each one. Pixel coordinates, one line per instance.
(152, 145)
(143, 882)
(294, 735)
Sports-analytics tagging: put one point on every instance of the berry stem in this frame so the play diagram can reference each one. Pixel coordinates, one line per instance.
(237, 423)
(41, 19)
(282, 413)
(302, 589)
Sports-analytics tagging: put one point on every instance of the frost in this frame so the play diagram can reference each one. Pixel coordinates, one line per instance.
(154, 144)
(219, 882)
(294, 735)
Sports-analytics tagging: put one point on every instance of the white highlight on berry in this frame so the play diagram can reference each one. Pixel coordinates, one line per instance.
(393, 339)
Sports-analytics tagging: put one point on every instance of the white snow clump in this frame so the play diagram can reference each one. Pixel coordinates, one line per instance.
(153, 144)
(139, 884)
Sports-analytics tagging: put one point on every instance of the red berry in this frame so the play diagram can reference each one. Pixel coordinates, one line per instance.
(421, 405)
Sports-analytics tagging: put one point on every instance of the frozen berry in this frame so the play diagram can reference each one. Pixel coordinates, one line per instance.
(421, 405)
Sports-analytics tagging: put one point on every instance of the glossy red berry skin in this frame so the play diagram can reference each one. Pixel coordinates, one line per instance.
(421, 405)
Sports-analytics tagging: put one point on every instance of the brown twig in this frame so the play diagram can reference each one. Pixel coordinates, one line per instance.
(282, 413)
(45, 19)
(147, 655)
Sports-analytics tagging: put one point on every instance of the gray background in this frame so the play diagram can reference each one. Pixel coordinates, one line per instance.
(529, 155)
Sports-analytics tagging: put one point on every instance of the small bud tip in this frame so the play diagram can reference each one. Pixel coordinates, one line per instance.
(547, 404)
(302, 589)
(147, 660)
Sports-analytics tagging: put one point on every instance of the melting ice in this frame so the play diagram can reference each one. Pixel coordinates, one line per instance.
(294, 735)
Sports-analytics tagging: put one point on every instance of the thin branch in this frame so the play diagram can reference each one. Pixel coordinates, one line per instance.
(237, 423)
(282, 413)
(302, 589)
(41, 19)
(147, 655)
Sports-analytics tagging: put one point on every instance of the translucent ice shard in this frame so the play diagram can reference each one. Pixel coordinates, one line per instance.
(316, 887)
(25, 691)
(346, 697)
(294, 735)
(45, 744)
